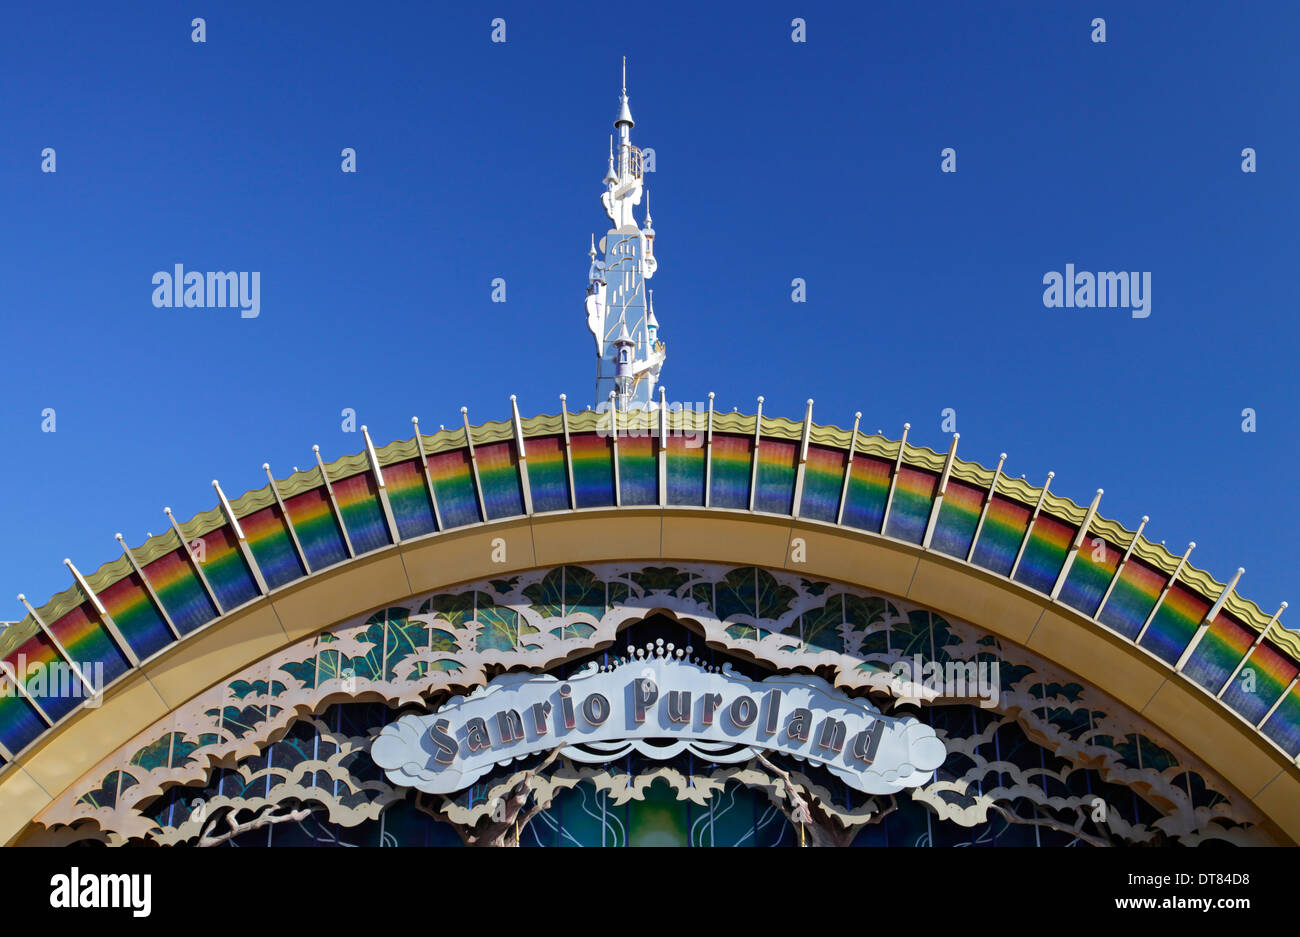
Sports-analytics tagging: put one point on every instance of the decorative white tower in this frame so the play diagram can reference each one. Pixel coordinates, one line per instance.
(629, 353)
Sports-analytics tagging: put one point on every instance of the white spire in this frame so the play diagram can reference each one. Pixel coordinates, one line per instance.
(624, 113)
(611, 177)
(629, 351)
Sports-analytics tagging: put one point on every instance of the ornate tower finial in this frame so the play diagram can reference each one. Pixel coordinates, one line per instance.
(629, 353)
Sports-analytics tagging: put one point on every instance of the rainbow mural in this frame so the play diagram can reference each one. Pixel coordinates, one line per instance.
(548, 479)
(864, 501)
(909, 512)
(1049, 542)
(823, 477)
(958, 517)
(1261, 681)
(593, 470)
(180, 591)
(685, 472)
(1171, 630)
(732, 463)
(1283, 727)
(273, 550)
(638, 471)
(224, 565)
(1093, 568)
(1004, 527)
(20, 724)
(453, 483)
(137, 618)
(498, 473)
(1225, 643)
(777, 463)
(1134, 596)
(408, 496)
(363, 515)
(37, 663)
(84, 637)
(318, 532)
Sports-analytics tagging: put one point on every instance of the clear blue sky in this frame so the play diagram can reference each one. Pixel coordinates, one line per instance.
(775, 160)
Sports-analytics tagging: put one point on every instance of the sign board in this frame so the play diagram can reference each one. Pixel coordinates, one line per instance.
(658, 707)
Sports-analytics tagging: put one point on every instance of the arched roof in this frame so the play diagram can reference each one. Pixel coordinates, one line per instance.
(280, 562)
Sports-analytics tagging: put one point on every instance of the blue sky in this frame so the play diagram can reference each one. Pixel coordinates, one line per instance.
(775, 160)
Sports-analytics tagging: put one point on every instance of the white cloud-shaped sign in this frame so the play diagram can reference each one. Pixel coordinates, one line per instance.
(659, 707)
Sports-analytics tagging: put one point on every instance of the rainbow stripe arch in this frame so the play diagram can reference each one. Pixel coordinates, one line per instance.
(161, 595)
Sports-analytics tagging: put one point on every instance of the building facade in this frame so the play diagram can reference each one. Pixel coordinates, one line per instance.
(648, 626)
